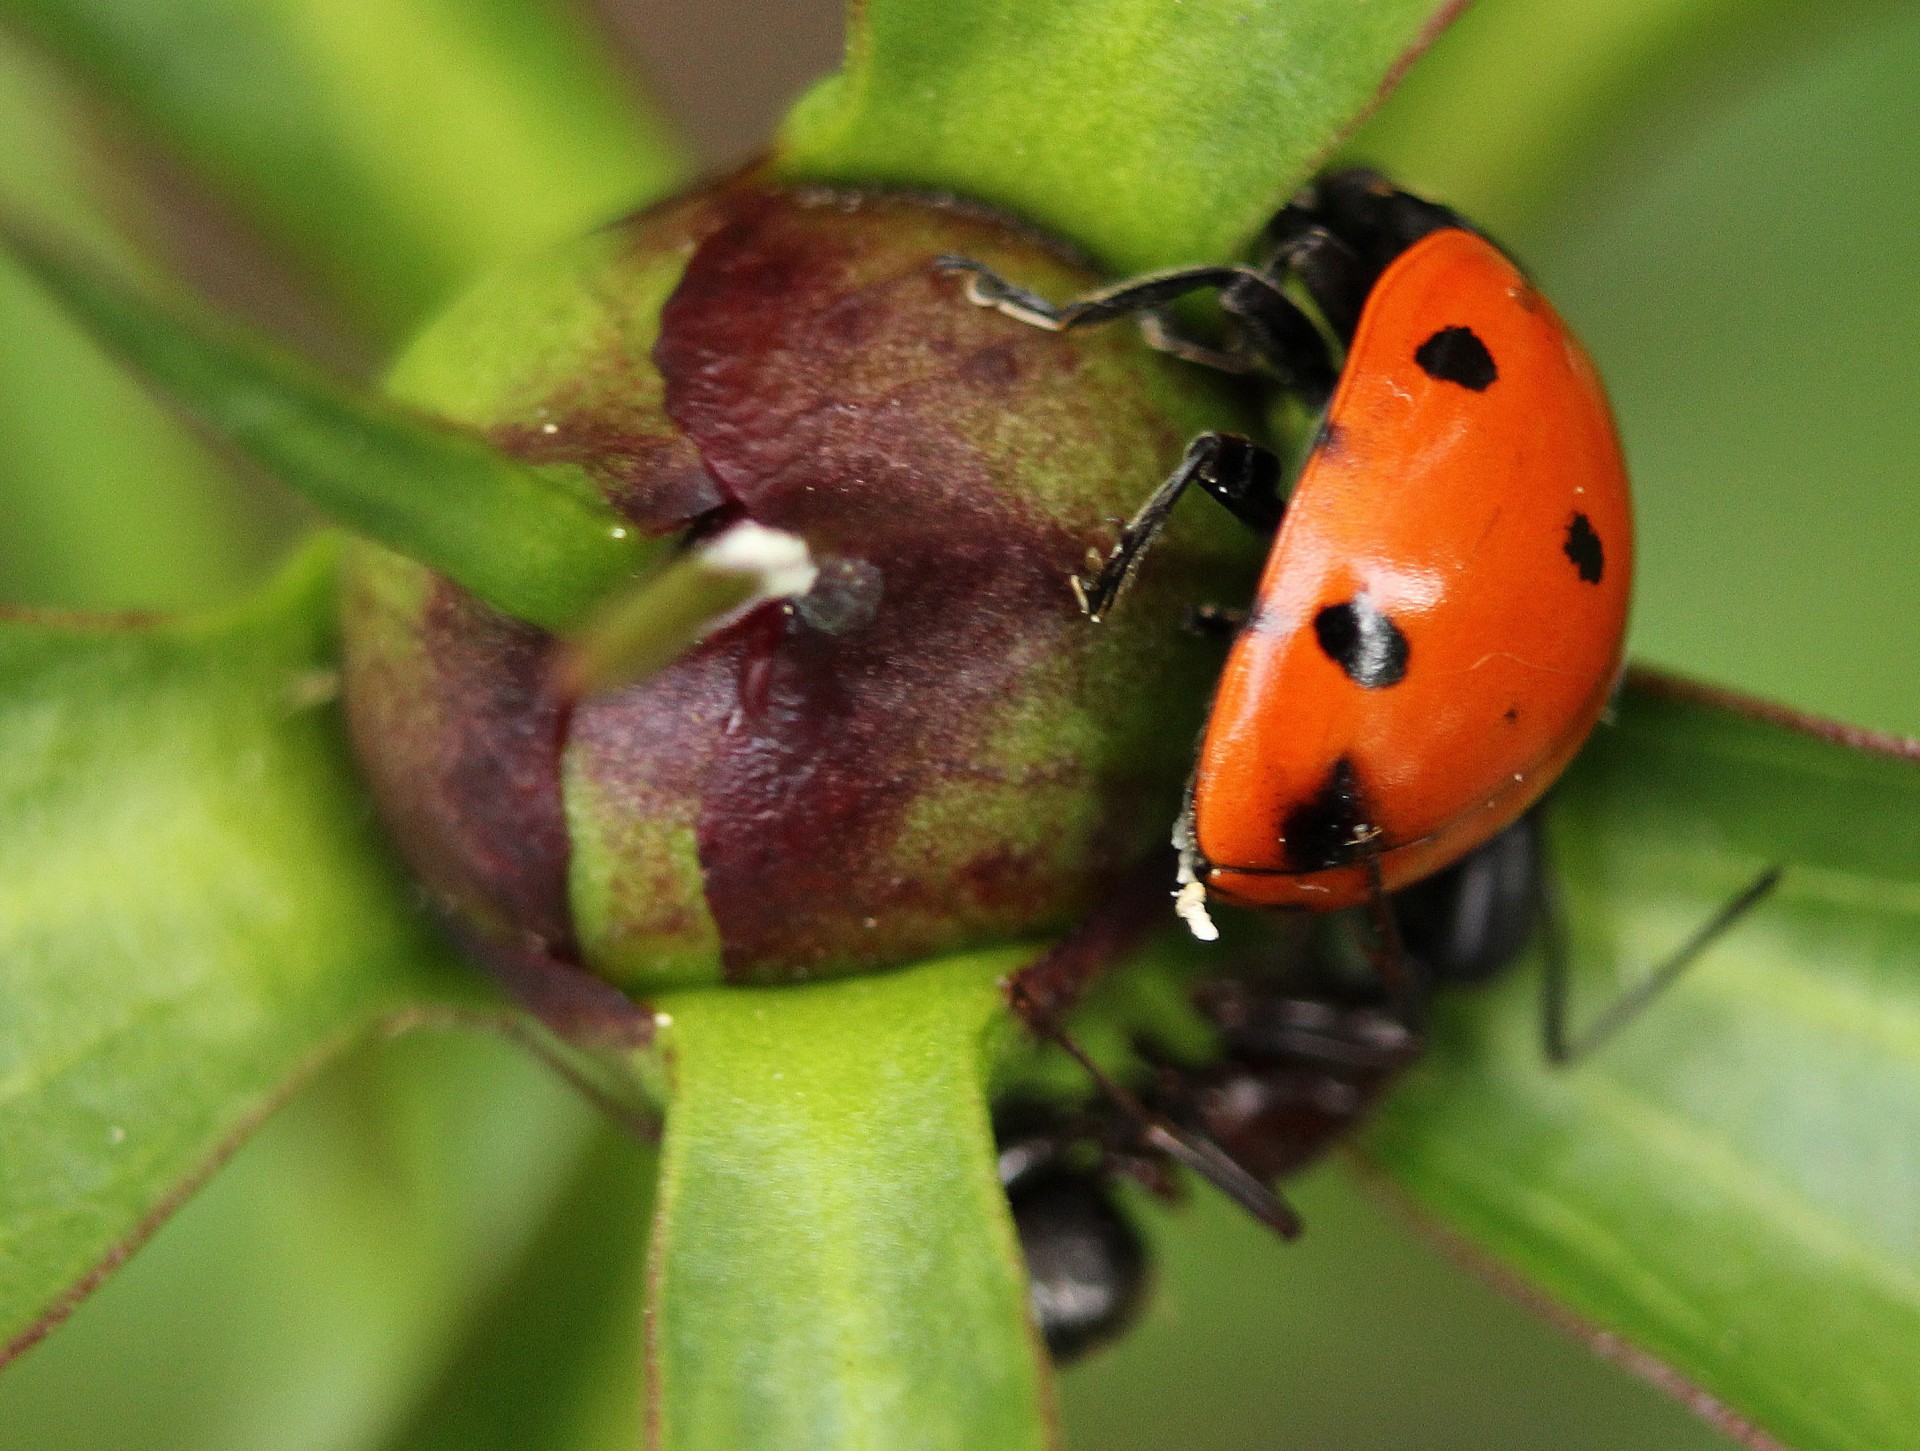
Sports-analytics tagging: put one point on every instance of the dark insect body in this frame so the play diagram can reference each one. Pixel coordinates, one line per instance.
(1086, 1265)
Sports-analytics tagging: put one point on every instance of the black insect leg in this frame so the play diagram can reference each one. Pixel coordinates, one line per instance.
(1198, 1152)
(1269, 327)
(1407, 985)
(1145, 293)
(1564, 1047)
(1240, 474)
(1271, 331)
(1299, 244)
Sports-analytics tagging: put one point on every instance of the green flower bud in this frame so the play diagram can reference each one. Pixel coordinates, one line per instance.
(930, 750)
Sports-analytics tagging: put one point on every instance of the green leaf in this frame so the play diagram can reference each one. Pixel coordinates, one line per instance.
(1522, 95)
(320, 1283)
(552, 1359)
(108, 501)
(833, 1262)
(1766, 406)
(1730, 1185)
(394, 149)
(1153, 133)
(1349, 1338)
(538, 543)
(197, 910)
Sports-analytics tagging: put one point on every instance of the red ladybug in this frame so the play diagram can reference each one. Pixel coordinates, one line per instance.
(1440, 620)
(1437, 630)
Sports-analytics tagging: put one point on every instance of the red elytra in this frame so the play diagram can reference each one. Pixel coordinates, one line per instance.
(1440, 621)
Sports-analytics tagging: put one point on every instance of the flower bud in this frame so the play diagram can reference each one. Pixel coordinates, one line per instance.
(930, 750)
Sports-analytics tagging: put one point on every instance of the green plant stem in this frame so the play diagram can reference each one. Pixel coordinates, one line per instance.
(833, 1262)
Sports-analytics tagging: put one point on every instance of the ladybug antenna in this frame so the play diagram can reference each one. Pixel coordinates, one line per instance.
(1198, 1152)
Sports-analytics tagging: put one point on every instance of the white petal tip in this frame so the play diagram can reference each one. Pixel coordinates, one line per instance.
(779, 563)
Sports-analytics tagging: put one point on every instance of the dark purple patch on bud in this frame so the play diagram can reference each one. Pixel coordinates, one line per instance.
(834, 389)
(449, 713)
(933, 750)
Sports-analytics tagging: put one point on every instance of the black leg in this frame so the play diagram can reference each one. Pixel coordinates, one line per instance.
(1564, 1047)
(1151, 290)
(1198, 1152)
(1272, 331)
(1333, 276)
(1240, 474)
(1406, 987)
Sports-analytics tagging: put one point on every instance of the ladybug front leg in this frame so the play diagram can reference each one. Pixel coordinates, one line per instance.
(1243, 476)
(1269, 332)
(1145, 293)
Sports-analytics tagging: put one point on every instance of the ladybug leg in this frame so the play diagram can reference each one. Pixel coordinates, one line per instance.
(1306, 1031)
(1301, 245)
(1240, 474)
(1271, 330)
(1406, 983)
(1143, 294)
(1195, 1150)
(1563, 1047)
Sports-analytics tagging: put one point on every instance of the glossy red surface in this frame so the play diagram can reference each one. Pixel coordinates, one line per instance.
(1491, 526)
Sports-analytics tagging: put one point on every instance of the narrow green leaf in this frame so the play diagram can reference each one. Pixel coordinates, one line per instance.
(106, 501)
(833, 1263)
(1731, 1184)
(1153, 133)
(395, 149)
(538, 543)
(648, 627)
(196, 910)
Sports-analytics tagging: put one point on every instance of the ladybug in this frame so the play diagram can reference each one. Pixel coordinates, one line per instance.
(1440, 621)
(1437, 629)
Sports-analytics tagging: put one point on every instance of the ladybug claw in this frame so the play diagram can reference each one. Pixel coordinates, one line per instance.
(1081, 597)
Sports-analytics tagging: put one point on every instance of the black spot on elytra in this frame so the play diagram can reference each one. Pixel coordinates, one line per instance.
(1456, 355)
(1583, 548)
(1511, 715)
(1329, 827)
(1363, 642)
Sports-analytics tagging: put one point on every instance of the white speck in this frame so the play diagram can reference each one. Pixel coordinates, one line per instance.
(549, 428)
(116, 1135)
(1190, 902)
(869, 921)
(663, 1020)
(619, 531)
(1517, 776)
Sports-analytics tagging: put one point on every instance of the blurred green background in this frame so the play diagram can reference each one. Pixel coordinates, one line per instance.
(434, 1246)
